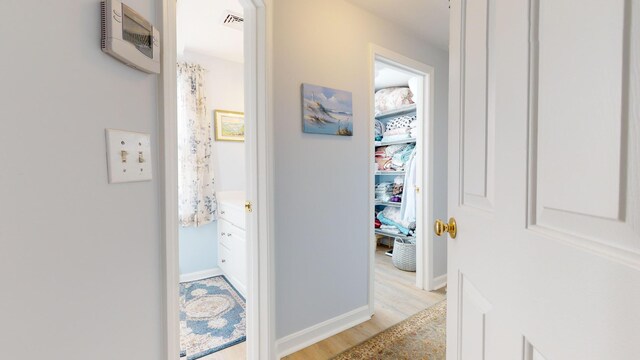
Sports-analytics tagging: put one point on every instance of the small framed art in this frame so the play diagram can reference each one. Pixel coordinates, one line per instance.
(229, 125)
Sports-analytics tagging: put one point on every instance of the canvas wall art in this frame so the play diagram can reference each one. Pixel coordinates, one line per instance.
(326, 111)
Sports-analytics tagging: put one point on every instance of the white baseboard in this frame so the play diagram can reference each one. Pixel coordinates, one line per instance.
(199, 275)
(309, 336)
(440, 282)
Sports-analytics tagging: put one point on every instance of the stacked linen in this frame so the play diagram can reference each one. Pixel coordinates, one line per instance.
(399, 128)
(400, 155)
(389, 158)
(413, 129)
(396, 134)
(391, 220)
(392, 98)
(380, 129)
(397, 189)
(384, 191)
(383, 161)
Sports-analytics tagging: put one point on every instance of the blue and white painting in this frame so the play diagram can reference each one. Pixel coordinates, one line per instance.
(326, 111)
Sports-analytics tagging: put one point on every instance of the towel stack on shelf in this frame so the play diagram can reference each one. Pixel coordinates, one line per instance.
(384, 191)
(399, 128)
(393, 157)
(413, 132)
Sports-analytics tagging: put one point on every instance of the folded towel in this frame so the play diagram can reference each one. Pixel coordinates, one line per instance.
(399, 131)
(380, 128)
(396, 137)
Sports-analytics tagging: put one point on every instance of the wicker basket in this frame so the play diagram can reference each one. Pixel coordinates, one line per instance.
(404, 254)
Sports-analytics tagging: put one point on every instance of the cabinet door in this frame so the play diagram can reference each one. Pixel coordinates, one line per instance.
(224, 259)
(239, 262)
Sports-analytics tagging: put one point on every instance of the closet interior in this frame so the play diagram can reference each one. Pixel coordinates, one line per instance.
(397, 164)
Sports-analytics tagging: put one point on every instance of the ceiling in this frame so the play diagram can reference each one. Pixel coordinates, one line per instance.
(200, 29)
(389, 76)
(429, 19)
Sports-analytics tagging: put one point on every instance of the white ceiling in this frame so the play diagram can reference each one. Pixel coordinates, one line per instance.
(388, 76)
(200, 29)
(429, 19)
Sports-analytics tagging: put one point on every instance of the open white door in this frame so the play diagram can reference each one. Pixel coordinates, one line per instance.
(544, 157)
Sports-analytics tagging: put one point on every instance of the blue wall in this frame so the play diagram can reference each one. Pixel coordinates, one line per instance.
(198, 248)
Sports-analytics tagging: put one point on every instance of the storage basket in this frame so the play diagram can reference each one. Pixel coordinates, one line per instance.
(404, 254)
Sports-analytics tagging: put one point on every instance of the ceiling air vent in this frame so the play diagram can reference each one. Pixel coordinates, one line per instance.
(232, 20)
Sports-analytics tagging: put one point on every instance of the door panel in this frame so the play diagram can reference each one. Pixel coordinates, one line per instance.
(473, 310)
(575, 96)
(546, 264)
(471, 144)
(477, 124)
(580, 112)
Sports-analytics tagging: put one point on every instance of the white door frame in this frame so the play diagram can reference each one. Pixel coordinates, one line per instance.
(426, 76)
(260, 304)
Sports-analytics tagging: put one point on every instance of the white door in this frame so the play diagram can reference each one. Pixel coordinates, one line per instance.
(544, 157)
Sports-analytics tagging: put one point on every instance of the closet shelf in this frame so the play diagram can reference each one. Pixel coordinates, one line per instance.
(391, 234)
(397, 142)
(382, 173)
(388, 203)
(395, 112)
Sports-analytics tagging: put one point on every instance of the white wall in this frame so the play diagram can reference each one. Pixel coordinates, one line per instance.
(321, 182)
(81, 261)
(224, 89)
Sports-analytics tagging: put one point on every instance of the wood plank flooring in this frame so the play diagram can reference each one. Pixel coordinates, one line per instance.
(236, 352)
(397, 298)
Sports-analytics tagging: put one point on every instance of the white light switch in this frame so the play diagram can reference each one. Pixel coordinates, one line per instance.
(128, 156)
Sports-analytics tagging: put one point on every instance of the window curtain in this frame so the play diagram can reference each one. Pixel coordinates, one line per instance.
(197, 204)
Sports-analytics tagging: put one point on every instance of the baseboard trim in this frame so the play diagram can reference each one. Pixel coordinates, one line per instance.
(440, 282)
(311, 335)
(199, 275)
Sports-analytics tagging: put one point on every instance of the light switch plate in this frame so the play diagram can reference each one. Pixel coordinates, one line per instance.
(128, 156)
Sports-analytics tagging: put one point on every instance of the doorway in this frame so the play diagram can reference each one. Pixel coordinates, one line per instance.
(211, 179)
(257, 198)
(402, 185)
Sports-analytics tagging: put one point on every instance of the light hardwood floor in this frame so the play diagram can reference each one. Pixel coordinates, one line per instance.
(236, 352)
(397, 298)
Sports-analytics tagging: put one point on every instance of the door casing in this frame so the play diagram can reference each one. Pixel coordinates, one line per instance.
(424, 247)
(258, 140)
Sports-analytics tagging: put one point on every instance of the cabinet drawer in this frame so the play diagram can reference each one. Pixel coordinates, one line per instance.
(229, 234)
(233, 214)
(224, 258)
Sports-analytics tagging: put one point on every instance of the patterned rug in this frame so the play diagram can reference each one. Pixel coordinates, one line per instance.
(212, 317)
(422, 336)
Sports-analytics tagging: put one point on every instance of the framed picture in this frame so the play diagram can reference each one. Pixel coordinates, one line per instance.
(326, 111)
(229, 125)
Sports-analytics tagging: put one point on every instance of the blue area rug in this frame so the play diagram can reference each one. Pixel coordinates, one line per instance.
(212, 317)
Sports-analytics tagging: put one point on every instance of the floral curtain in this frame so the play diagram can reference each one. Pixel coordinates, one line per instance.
(196, 194)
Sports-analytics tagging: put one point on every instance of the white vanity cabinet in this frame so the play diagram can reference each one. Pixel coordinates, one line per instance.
(232, 244)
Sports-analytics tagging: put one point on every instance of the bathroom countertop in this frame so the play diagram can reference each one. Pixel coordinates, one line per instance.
(231, 198)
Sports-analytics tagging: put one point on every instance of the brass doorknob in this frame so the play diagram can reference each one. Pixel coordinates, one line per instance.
(440, 227)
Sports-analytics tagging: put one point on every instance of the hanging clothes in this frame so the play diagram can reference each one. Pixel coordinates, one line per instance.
(408, 207)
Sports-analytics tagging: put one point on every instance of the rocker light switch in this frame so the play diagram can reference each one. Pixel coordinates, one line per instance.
(128, 156)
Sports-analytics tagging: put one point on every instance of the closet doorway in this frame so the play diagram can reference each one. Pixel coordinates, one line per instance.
(401, 191)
